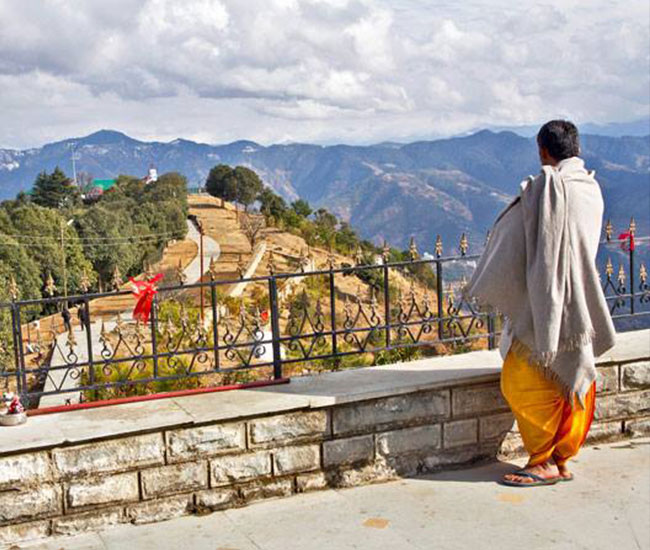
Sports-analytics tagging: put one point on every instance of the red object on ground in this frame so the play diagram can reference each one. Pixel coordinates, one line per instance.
(144, 291)
(154, 396)
(264, 316)
(625, 238)
(15, 407)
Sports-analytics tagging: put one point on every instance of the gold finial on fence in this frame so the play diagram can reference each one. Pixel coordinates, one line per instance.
(464, 244)
(632, 228)
(116, 281)
(609, 268)
(180, 273)
(50, 287)
(643, 274)
(212, 268)
(331, 259)
(438, 246)
(270, 265)
(385, 252)
(358, 256)
(621, 275)
(241, 268)
(609, 229)
(413, 250)
(84, 283)
(13, 289)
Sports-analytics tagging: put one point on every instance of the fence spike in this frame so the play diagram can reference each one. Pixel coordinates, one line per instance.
(212, 268)
(413, 250)
(50, 287)
(385, 252)
(632, 228)
(609, 229)
(14, 291)
(438, 246)
(621, 275)
(270, 265)
(464, 244)
(609, 268)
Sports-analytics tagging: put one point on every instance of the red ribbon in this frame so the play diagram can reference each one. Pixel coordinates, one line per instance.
(624, 237)
(144, 291)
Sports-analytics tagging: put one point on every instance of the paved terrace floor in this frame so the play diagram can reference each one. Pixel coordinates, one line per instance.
(606, 507)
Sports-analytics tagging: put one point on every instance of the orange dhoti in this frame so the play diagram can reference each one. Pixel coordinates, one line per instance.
(550, 427)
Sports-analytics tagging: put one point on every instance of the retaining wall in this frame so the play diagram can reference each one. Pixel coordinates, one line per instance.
(65, 473)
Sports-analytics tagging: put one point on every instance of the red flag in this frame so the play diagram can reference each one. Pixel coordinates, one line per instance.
(627, 237)
(144, 291)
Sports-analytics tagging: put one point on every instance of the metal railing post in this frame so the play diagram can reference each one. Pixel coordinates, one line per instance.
(441, 310)
(275, 328)
(14, 333)
(215, 326)
(386, 305)
(153, 320)
(333, 315)
(631, 275)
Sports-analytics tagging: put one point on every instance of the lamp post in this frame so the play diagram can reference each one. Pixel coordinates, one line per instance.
(63, 258)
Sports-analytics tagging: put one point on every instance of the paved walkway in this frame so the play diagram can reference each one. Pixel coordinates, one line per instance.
(607, 507)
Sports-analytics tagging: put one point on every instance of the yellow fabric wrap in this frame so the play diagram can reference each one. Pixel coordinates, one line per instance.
(550, 427)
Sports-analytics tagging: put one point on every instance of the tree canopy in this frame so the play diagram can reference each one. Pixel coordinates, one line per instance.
(55, 190)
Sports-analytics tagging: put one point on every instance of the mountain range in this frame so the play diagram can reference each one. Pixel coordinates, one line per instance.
(387, 191)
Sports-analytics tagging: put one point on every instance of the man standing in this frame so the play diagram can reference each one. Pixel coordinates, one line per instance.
(539, 270)
(65, 315)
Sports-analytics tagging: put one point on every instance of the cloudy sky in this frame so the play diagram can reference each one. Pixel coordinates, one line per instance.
(355, 71)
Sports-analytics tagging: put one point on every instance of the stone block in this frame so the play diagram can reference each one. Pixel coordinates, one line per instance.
(177, 478)
(110, 456)
(23, 470)
(31, 503)
(623, 405)
(88, 521)
(192, 443)
(407, 440)
(105, 490)
(495, 426)
(311, 482)
(607, 380)
(460, 432)
(637, 427)
(288, 460)
(603, 431)
(463, 456)
(160, 510)
(350, 450)
(477, 399)
(375, 472)
(401, 409)
(21, 532)
(635, 376)
(512, 445)
(288, 428)
(216, 499)
(272, 489)
(230, 469)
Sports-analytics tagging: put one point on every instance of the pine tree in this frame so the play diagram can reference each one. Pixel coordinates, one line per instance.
(54, 190)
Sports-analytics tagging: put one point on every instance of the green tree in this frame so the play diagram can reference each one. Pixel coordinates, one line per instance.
(55, 190)
(249, 186)
(302, 208)
(271, 205)
(42, 229)
(221, 182)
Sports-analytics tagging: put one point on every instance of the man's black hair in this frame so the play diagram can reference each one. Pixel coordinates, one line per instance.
(560, 139)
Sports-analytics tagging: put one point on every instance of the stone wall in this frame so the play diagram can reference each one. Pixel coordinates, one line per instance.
(241, 458)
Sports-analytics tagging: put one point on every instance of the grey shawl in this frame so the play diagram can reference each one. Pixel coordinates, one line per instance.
(539, 270)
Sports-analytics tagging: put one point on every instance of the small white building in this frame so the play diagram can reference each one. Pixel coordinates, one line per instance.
(152, 176)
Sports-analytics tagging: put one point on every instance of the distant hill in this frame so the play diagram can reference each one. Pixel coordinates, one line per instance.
(390, 190)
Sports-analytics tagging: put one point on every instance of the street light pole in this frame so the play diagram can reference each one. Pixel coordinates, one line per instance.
(63, 258)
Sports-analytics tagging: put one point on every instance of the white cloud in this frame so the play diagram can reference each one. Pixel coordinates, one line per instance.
(315, 70)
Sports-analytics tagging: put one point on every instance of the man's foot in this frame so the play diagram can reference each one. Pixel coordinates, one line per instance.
(546, 471)
(564, 472)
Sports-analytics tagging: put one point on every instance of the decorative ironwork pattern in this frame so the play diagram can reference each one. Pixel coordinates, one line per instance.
(284, 318)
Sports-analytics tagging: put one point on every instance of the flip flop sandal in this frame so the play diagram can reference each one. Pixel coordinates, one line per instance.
(537, 480)
(565, 479)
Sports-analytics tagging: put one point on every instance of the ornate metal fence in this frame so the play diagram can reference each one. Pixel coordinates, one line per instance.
(287, 324)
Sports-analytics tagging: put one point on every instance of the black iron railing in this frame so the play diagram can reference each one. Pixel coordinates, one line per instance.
(288, 323)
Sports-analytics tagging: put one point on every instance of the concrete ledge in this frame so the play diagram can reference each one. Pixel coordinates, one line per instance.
(324, 390)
